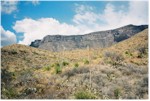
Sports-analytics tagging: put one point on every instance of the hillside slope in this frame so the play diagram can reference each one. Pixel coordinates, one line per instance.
(116, 72)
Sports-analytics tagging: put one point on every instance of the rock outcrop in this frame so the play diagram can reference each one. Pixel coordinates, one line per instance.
(98, 39)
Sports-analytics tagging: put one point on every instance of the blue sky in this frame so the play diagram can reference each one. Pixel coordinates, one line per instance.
(25, 21)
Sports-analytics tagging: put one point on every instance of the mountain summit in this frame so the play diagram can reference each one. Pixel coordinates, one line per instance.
(98, 39)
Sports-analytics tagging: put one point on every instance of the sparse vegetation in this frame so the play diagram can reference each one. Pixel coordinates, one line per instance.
(58, 68)
(142, 51)
(21, 80)
(113, 58)
(47, 68)
(75, 71)
(117, 93)
(128, 53)
(64, 63)
(76, 65)
(57, 64)
(10, 93)
(84, 95)
(13, 52)
(86, 61)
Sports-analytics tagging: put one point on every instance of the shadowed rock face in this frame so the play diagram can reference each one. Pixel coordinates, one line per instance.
(98, 39)
(36, 43)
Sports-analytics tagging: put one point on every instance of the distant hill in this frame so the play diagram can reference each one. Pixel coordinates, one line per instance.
(134, 49)
(98, 39)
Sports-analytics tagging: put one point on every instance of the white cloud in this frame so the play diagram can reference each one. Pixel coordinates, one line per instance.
(83, 8)
(112, 16)
(37, 29)
(8, 7)
(139, 11)
(85, 20)
(86, 17)
(35, 2)
(7, 37)
(84, 13)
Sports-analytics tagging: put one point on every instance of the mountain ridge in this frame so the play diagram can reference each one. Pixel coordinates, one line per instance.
(99, 39)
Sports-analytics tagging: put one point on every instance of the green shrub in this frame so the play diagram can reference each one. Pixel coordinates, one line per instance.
(64, 63)
(57, 64)
(128, 53)
(35, 53)
(76, 65)
(47, 68)
(14, 51)
(84, 95)
(117, 93)
(58, 68)
(53, 65)
(86, 61)
(10, 93)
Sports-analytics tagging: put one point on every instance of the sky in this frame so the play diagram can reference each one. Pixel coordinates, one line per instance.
(25, 21)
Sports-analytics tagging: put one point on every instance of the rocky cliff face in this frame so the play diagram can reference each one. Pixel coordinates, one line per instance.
(98, 39)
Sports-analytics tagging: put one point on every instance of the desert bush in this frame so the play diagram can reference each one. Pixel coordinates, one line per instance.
(100, 79)
(75, 71)
(76, 65)
(113, 58)
(13, 52)
(142, 87)
(84, 95)
(53, 65)
(7, 89)
(86, 61)
(10, 93)
(58, 68)
(6, 76)
(81, 70)
(30, 91)
(128, 53)
(26, 78)
(64, 63)
(117, 93)
(56, 64)
(47, 68)
(35, 53)
(142, 51)
(130, 69)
